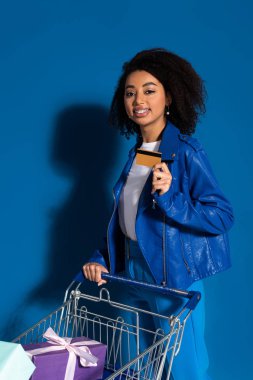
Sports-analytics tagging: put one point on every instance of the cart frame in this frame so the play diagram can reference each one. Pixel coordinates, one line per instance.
(121, 333)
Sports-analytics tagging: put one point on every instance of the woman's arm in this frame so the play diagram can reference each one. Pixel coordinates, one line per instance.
(207, 210)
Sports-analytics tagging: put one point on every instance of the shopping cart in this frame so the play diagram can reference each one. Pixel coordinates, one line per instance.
(119, 326)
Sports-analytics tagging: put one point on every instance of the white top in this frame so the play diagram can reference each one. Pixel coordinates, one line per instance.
(131, 192)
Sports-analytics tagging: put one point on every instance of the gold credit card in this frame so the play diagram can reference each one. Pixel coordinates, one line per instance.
(148, 157)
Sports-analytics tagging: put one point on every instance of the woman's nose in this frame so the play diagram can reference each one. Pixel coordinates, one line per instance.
(138, 99)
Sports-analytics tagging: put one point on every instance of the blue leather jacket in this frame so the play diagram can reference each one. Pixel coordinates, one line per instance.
(182, 233)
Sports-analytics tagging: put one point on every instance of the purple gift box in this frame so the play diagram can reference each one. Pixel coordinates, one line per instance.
(52, 365)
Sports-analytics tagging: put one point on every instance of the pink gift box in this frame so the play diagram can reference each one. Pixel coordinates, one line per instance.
(52, 365)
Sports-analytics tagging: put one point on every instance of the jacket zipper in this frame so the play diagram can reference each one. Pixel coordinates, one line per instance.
(164, 256)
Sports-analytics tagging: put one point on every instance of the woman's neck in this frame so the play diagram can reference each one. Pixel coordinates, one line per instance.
(151, 135)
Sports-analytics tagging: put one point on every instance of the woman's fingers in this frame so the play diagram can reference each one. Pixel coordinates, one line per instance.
(92, 271)
(161, 188)
(86, 272)
(162, 166)
(101, 282)
(160, 182)
(161, 185)
(161, 178)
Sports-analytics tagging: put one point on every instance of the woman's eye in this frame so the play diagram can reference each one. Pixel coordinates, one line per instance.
(149, 92)
(129, 94)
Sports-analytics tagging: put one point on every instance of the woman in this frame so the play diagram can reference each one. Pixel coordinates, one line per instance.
(169, 224)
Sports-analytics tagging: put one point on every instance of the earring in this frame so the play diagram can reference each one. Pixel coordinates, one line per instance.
(167, 111)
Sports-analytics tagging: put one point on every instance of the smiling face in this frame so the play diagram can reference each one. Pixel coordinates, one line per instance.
(145, 101)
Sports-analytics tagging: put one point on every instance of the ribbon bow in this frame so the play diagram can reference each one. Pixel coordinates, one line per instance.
(83, 352)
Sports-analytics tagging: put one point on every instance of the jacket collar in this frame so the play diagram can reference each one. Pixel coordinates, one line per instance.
(169, 143)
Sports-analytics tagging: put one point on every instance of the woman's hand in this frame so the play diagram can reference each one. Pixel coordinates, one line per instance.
(161, 178)
(92, 271)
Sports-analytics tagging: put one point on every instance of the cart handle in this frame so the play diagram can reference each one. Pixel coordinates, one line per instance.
(193, 296)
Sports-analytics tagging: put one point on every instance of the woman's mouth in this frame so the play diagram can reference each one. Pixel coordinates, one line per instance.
(141, 112)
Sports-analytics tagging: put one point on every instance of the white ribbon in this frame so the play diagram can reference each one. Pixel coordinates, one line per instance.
(86, 357)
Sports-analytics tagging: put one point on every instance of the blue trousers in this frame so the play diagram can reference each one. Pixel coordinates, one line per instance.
(192, 361)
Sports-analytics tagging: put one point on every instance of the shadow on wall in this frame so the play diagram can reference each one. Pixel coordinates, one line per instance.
(83, 149)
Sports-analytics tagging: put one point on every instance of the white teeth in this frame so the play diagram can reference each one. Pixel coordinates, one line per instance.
(141, 111)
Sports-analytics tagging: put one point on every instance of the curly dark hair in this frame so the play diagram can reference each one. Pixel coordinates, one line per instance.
(177, 77)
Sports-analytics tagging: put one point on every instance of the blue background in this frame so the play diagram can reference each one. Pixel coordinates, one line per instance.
(60, 61)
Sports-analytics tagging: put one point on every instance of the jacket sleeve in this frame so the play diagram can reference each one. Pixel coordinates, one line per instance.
(205, 209)
(100, 256)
